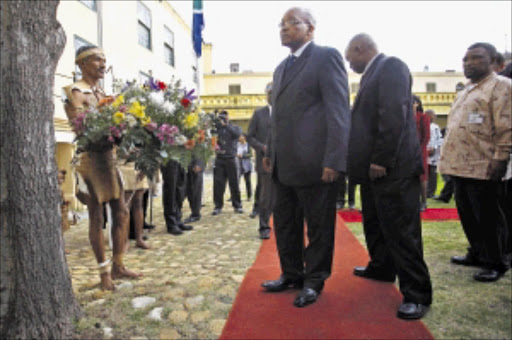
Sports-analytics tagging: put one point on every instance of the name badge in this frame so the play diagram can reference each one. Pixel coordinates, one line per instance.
(475, 118)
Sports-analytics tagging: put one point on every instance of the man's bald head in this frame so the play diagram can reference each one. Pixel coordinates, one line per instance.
(360, 51)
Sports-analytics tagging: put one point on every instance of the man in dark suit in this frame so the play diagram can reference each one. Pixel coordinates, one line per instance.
(257, 137)
(307, 151)
(384, 157)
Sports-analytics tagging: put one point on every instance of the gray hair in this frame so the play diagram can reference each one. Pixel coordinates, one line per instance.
(306, 12)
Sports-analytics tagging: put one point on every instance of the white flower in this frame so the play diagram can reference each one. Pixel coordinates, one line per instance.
(180, 139)
(169, 107)
(131, 120)
(157, 98)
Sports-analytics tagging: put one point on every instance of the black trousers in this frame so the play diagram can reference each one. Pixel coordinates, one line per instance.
(317, 205)
(506, 203)
(255, 207)
(448, 189)
(392, 227)
(224, 171)
(265, 199)
(194, 191)
(483, 220)
(248, 184)
(342, 180)
(173, 192)
(432, 180)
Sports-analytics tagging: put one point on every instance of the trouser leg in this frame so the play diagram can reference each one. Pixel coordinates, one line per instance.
(266, 199)
(289, 231)
(219, 182)
(319, 206)
(234, 187)
(399, 214)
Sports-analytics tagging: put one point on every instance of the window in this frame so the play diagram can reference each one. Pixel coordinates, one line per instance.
(79, 42)
(235, 89)
(354, 87)
(168, 46)
(91, 4)
(144, 25)
(234, 67)
(144, 77)
(431, 87)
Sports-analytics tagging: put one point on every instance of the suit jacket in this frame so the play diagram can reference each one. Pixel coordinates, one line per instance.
(257, 134)
(383, 123)
(310, 117)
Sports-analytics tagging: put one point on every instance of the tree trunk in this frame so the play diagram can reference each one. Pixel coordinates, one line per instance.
(36, 298)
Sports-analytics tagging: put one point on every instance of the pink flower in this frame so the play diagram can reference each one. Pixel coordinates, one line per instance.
(111, 139)
(123, 108)
(151, 127)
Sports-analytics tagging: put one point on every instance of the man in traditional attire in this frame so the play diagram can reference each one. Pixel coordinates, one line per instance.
(98, 170)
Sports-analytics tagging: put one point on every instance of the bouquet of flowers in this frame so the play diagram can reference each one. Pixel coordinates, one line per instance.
(151, 124)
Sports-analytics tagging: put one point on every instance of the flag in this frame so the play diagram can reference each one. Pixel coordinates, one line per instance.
(197, 26)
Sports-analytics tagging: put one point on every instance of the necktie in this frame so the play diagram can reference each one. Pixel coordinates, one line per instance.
(289, 62)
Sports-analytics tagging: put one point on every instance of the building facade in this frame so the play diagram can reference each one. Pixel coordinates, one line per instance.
(140, 39)
(240, 93)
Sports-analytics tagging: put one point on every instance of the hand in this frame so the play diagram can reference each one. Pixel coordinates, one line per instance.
(430, 151)
(376, 171)
(197, 169)
(267, 164)
(329, 175)
(497, 169)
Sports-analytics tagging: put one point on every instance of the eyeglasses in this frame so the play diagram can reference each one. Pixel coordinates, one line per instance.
(290, 22)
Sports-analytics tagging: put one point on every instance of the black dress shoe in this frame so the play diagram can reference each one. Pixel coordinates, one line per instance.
(488, 275)
(281, 284)
(411, 311)
(174, 230)
(216, 212)
(185, 227)
(265, 234)
(192, 219)
(253, 214)
(239, 210)
(306, 297)
(466, 260)
(441, 199)
(369, 274)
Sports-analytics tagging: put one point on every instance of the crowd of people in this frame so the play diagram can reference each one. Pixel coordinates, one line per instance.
(310, 145)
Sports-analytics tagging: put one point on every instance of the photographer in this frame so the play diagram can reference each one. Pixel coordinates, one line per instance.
(225, 164)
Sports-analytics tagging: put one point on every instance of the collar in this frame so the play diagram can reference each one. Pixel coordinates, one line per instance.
(301, 49)
(470, 85)
(370, 63)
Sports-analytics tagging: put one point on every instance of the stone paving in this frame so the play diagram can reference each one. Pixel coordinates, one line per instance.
(190, 281)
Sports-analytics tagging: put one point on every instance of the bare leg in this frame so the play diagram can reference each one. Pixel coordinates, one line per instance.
(137, 207)
(97, 239)
(120, 236)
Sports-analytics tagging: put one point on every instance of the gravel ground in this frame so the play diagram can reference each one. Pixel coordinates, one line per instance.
(190, 281)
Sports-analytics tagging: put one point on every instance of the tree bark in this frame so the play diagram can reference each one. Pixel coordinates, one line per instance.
(36, 298)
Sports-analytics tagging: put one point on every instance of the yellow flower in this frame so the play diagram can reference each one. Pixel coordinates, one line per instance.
(191, 120)
(118, 117)
(137, 110)
(118, 102)
(145, 121)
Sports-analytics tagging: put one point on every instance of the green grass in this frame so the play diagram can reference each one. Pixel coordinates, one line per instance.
(463, 308)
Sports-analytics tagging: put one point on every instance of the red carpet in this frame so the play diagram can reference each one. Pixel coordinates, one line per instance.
(427, 215)
(349, 307)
